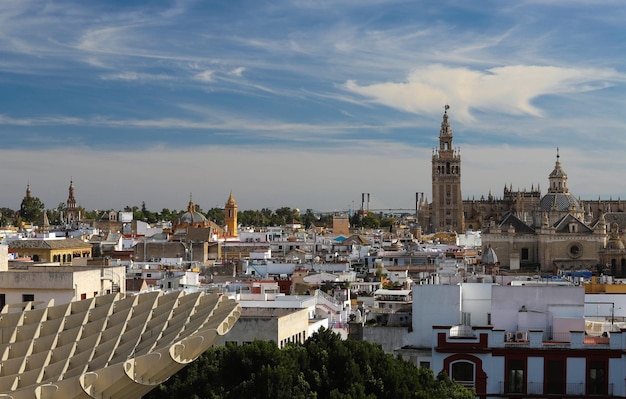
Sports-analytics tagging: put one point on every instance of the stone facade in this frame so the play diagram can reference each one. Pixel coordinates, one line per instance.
(447, 205)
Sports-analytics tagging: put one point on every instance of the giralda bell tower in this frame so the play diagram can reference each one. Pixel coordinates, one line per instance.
(447, 206)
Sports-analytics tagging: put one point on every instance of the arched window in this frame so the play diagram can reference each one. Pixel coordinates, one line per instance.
(463, 372)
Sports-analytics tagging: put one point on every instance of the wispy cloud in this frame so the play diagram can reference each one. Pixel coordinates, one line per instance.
(205, 76)
(134, 76)
(509, 89)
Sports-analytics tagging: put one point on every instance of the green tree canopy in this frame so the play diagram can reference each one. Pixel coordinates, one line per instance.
(325, 366)
(31, 209)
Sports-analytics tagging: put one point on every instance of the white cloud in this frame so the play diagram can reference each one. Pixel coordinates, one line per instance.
(205, 76)
(136, 76)
(238, 71)
(509, 90)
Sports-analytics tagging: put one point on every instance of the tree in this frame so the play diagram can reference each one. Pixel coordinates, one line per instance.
(31, 209)
(325, 366)
(7, 216)
(216, 215)
(308, 219)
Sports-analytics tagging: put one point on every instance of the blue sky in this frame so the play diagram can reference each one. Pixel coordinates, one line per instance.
(306, 103)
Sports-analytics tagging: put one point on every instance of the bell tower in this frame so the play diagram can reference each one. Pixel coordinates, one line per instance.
(72, 212)
(230, 216)
(447, 205)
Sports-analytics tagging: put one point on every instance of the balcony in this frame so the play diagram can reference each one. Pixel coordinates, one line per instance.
(571, 389)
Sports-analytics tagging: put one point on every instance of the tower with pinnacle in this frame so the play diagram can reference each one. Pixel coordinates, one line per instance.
(447, 205)
(72, 212)
(230, 216)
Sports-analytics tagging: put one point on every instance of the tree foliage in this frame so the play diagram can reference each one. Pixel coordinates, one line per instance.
(31, 209)
(325, 366)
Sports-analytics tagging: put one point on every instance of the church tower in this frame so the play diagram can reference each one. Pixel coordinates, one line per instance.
(230, 216)
(447, 205)
(72, 212)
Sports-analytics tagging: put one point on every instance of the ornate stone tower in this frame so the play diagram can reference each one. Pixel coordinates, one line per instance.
(230, 216)
(72, 212)
(447, 205)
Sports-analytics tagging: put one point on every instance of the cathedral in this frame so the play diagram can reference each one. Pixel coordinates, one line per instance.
(525, 229)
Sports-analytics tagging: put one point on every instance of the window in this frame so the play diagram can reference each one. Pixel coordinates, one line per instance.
(515, 376)
(425, 364)
(596, 377)
(83, 297)
(554, 379)
(28, 297)
(524, 253)
(463, 373)
(3, 300)
(575, 250)
(466, 319)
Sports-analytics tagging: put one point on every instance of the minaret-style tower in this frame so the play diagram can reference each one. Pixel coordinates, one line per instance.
(230, 216)
(447, 205)
(72, 212)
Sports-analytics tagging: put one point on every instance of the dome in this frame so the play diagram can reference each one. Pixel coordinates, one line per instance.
(490, 257)
(191, 217)
(614, 240)
(561, 202)
(559, 198)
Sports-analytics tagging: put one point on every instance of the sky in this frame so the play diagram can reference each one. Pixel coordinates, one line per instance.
(306, 103)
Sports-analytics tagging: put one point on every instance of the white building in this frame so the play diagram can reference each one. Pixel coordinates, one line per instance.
(41, 284)
(507, 340)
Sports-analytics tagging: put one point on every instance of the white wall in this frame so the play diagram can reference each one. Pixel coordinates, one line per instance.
(476, 301)
(542, 304)
(433, 305)
(63, 284)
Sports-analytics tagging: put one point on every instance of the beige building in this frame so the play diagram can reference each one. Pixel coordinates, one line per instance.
(23, 282)
(281, 326)
(66, 251)
(557, 236)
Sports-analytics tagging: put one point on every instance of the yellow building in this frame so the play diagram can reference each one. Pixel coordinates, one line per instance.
(62, 250)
